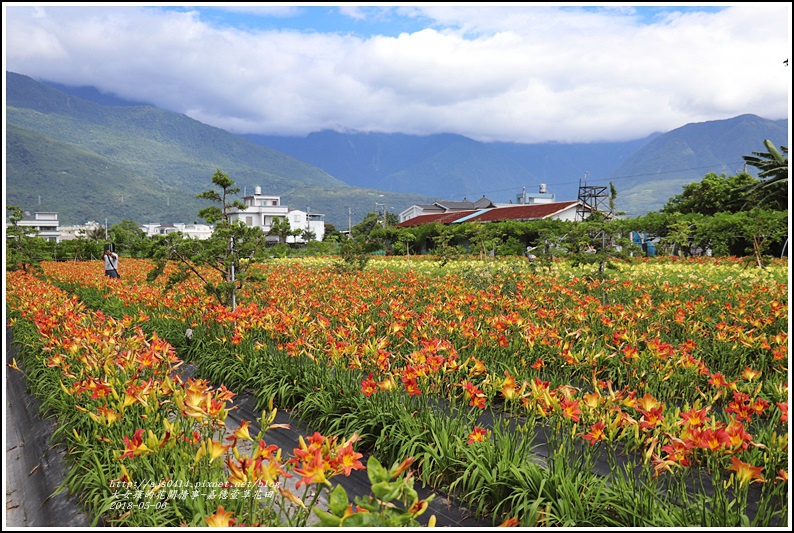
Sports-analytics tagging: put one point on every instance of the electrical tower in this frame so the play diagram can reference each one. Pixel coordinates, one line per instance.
(591, 198)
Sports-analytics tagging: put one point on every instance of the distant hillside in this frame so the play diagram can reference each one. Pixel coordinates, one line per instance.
(158, 161)
(646, 172)
(155, 160)
(662, 167)
(49, 175)
(442, 166)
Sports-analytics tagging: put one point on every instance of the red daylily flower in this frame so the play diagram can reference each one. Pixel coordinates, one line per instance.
(477, 435)
(696, 418)
(596, 433)
(368, 386)
(570, 409)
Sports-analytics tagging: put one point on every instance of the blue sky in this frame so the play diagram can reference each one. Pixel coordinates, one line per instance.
(508, 72)
(389, 20)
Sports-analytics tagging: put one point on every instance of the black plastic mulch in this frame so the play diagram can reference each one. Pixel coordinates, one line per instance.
(35, 468)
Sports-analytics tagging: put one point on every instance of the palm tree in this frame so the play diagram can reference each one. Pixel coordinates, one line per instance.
(774, 172)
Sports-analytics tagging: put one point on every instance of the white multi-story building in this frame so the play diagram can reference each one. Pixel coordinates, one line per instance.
(263, 210)
(194, 231)
(46, 223)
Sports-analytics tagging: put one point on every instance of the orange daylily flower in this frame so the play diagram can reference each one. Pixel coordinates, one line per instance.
(511, 521)
(592, 399)
(749, 374)
(679, 451)
(312, 471)
(662, 465)
(508, 388)
(745, 472)
(596, 433)
(135, 446)
(737, 436)
(216, 449)
(403, 466)
(220, 518)
(647, 403)
(712, 439)
(475, 396)
(347, 460)
(651, 418)
(242, 431)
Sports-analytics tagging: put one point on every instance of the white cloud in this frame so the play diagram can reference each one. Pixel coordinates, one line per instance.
(527, 74)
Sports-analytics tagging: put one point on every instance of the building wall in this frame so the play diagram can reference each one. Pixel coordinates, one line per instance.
(45, 223)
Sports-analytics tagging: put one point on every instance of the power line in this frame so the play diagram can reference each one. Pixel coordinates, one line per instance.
(620, 177)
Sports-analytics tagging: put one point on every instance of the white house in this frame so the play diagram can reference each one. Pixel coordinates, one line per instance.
(263, 210)
(69, 233)
(45, 222)
(312, 222)
(444, 206)
(194, 231)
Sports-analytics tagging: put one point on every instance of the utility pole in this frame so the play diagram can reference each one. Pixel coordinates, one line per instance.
(231, 250)
(349, 226)
(384, 212)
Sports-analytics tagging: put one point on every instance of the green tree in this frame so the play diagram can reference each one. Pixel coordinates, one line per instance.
(679, 236)
(373, 221)
(229, 251)
(80, 248)
(773, 165)
(444, 244)
(484, 237)
(404, 242)
(129, 238)
(331, 233)
(365, 227)
(353, 255)
(282, 229)
(714, 194)
(763, 227)
(24, 248)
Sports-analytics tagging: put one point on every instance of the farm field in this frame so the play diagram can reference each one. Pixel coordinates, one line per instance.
(655, 396)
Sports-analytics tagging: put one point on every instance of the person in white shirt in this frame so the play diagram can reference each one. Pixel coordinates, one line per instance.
(111, 264)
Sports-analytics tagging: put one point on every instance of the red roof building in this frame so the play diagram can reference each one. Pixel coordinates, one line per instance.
(552, 210)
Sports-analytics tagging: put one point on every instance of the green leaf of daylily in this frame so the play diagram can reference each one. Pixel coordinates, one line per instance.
(338, 501)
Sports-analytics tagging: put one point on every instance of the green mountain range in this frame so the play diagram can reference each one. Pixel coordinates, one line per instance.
(94, 162)
(92, 157)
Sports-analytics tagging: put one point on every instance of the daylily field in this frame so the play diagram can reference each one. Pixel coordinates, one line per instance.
(656, 396)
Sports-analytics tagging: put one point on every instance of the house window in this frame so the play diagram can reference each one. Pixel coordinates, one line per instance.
(249, 221)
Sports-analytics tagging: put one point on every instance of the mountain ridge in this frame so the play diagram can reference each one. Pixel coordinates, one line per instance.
(338, 174)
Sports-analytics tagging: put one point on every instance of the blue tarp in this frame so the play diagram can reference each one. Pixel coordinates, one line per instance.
(643, 240)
